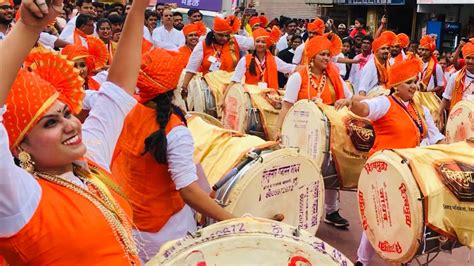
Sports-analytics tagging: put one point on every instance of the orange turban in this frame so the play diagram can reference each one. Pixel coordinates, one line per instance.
(198, 27)
(385, 39)
(404, 70)
(7, 1)
(330, 42)
(270, 37)
(159, 73)
(316, 26)
(74, 52)
(48, 79)
(428, 42)
(402, 39)
(96, 54)
(260, 20)
(468, 48)
(229, 25)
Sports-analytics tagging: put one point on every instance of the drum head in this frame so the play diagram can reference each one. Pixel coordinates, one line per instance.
(282, 182)
(389, 207)
(207, 118)
(305, 127)
(196, 100)
(460, 125)
(177, 98)
(237, 103)
(249, 241)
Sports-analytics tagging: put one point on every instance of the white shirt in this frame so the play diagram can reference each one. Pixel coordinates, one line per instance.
(68, 32)
(169, 40)
(439, 77)
(368, 77)
(20, 193)
(356, 71)
(391, 60)
(379, 106)
(298, 54)
(293, 87)
(195, 60)
(47, 40)
(282, 43)
(147, 34)
(340, 66)
(468, 86)
(241, 68)
(70, 39)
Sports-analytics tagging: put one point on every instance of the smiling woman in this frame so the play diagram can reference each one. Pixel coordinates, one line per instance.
(62, 185)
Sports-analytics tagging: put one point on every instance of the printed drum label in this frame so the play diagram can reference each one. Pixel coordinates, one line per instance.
(232, 117)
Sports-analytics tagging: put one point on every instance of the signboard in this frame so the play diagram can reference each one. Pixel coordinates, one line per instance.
(211, 5)
(370, 2)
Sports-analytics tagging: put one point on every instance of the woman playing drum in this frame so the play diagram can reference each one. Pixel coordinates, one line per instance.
(319, 81)
(153, 161)
(261, 67)
(398, 122)
(58, 210)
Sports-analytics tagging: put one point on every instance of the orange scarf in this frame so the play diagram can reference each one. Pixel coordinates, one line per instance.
(112, 47)
(425, 79)
(382, 72)
(458, 89)
(269, 75)
(77, 37)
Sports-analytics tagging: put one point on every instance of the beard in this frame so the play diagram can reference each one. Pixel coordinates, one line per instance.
(179, 26)
(5, 21)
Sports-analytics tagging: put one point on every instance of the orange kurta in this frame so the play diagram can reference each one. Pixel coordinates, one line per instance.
(229, 55)
(270, 72)
(333, 89)
(147, 184)
(395, 130)
(66, 229)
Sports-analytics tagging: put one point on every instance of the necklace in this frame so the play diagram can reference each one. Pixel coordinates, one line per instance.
(319, 87)
(98, 194)
(415, 116)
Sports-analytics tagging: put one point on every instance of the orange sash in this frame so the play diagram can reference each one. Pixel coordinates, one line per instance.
(112, 47)
(458, 89)
(425, 79)
(77, 37)
(269, 75)
(382, 72)
(229, 55)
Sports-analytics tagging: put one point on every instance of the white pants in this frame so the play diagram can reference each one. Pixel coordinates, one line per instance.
(365, 252)
(331, 200)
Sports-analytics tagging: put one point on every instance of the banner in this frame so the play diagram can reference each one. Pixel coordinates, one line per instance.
(211, 5)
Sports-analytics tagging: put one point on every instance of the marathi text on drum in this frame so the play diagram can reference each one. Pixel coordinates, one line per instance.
(382, 205)
(365, 133)
(365, 224)
(304, 206)
(463, 178)
(406, 204)
(379, 166)
(280, 187)
(385, 246)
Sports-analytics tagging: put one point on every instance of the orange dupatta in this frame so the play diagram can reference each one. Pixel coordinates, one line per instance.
(77, 37)
(458, 89)
(382, 72)
(425, 79)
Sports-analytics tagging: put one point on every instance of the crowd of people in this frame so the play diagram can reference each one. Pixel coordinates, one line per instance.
(91, 142)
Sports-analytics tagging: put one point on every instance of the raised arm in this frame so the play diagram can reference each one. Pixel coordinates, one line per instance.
(22, 38)
(127, 59)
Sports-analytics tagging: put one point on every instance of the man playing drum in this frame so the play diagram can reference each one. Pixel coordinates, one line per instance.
(461, 83)
(219, 51)
(375, 72)
(319, 80)
(397, 120)
(432, 76)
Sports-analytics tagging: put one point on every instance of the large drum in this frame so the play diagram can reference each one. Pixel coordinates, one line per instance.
(249, 241)
(430, 100)
(337, 141)
(200, 98)
(418, 201)
(378, 91)
(247, 110)
(249, 177)
(460, 125)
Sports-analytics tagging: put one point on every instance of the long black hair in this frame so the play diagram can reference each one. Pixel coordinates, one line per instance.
(156, 143)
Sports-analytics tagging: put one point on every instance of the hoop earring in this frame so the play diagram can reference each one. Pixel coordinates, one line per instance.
(25, 161)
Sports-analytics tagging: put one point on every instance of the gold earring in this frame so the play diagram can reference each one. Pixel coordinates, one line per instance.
(26, 162)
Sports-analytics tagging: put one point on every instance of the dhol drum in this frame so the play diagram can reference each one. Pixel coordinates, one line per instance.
(249, 177)
(247, 110)
(199, 99)
(378, 91)
(337, 141)
(430, 100)
(418, 201)
(249, 241)
(460, 125)
(207, 118)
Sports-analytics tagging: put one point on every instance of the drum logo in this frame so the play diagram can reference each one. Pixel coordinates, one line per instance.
(378, 166)
(363, 217)
(458, 177)
(361, 133)
(385, 246)
(406, 204)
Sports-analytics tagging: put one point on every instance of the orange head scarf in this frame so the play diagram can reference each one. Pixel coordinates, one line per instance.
(270, 37)
(330, 42)
(229, 25)
(468, 48)
(198, 27)
(385, 39)
(48, 78)
(428, 42)
(73, 52)
(403, 71)
(159, 73)
(402, 39)
(316, 26)
(262, 21)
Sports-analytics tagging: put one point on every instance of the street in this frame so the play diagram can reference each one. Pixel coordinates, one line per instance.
(347, 241)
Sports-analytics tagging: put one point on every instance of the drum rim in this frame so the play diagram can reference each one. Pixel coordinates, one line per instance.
(416, 205)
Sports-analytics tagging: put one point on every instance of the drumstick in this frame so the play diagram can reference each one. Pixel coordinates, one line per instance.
(250, 157)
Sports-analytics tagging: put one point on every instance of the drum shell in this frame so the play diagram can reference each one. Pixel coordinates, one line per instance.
(460, 124)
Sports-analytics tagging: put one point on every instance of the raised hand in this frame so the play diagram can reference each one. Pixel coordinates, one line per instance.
(39, 13)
